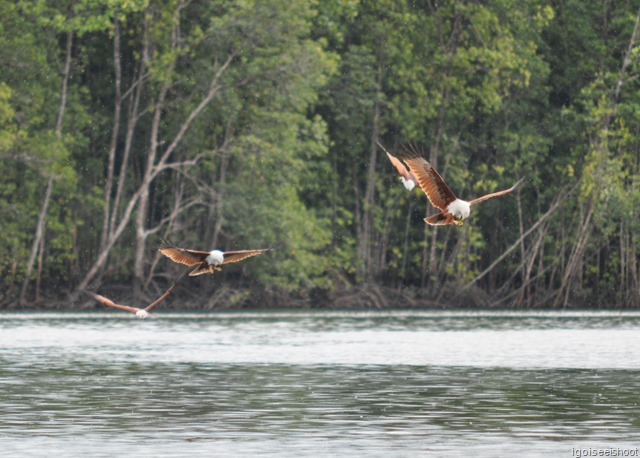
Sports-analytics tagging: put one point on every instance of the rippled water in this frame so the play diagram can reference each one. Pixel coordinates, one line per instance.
(319, 384)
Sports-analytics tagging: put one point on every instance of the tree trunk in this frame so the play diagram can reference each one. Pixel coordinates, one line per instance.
(405, 245)
(425, 267)
(143, 199)
(132, 119)
(222, 180)
(42, 219)
(152, 170)
(575, 260)
(541, 220)
(600, 147)
(382, 247)
(434, 151)
(366, 262)
(38, 241)
(108, 186)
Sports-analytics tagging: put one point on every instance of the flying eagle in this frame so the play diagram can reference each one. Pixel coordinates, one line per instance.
(452, 209)
(206, 261)
(140, 313)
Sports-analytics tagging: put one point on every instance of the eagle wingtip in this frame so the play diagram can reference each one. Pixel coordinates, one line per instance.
(165, 244)
(518, 183)
(410, 150)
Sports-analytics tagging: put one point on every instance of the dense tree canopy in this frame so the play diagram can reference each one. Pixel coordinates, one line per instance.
(251, 124)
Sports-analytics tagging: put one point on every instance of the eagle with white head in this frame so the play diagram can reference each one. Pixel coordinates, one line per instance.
(205, 261)
(418, 170)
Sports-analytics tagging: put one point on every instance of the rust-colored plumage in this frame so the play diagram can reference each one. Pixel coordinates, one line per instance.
(140, 313)
(452, 209)
(409, 180)
(438, 192)
(206, 261)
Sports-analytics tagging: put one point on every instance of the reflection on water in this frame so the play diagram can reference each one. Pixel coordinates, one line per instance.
(306, 384)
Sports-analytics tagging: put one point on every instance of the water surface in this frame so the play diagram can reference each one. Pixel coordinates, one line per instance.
(319, 384)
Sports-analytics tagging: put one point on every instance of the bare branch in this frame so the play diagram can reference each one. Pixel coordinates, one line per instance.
(178, 209)
(213, 90)
(115, 129)
(515, 245)
(627, 59)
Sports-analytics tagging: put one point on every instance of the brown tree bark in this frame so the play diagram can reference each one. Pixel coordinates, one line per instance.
(576, 259)
(38, 241)
(366, 264)
(115, 129)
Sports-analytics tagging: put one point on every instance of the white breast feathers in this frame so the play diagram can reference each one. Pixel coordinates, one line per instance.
(215, 257)
(459, 208)
(409, 184)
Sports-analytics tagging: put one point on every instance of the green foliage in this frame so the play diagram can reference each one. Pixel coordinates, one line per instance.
(7, 129)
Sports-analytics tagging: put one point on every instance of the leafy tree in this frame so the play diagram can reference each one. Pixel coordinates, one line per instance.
(246, 124)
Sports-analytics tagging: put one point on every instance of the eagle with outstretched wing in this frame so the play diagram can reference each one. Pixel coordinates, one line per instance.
(453, 210)
(205, 261)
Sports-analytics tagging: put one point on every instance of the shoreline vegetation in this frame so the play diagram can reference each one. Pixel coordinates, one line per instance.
(230, 297)
(232, 124)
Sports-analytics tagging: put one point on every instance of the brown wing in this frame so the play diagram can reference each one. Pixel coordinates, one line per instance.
(437, 191)
(440, 219)
(397, 163)
(200, 270)
(165, 294)
(402, 169)
(182, 255)
(110, 303)
(497, 194)
(235, 256)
